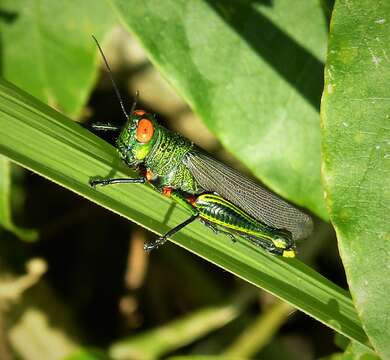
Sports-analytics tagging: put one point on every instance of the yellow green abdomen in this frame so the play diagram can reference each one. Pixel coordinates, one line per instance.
(219, 211)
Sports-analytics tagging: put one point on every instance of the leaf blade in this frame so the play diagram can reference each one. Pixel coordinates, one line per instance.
(355, 112)
(54, 48)
(48, 143)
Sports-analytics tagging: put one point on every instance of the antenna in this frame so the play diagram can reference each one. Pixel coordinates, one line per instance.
(113, 82)
(134, 102)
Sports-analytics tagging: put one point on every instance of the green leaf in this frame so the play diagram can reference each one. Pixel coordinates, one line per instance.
(357, 352)
(205, 357)
(48, 143)
(354, 351)
(356, 153)
(5, 204)
(259, 333)
(87, 354)
(252, 74)
(159, 341)
(41, 40)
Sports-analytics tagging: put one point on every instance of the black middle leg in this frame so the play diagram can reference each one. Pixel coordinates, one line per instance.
(154, 244)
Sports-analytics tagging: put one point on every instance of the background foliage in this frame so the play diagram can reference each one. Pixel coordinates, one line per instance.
(253, 72)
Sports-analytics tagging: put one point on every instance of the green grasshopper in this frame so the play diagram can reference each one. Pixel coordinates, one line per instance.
(221, 197)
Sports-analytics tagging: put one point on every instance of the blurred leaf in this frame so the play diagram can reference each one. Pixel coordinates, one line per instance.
(341, 341)
(176, 334)
(87, 354)
(327, 7)
(12, 287)
(260, 332)
(5, 204)
(253, 68)
(42, 40)
(205, 357)
(356, 153)
(48, 143)
(354, 352)
(34, 338)
(40, 326)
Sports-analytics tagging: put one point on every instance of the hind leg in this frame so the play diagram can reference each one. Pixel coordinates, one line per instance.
(217, 230)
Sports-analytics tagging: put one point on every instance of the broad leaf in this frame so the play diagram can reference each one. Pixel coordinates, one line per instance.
(47, 48)
(252, 74)
(356, 153)
(354, 351)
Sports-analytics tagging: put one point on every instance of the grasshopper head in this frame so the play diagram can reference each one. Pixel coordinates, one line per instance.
(137, 138)
(140, 132)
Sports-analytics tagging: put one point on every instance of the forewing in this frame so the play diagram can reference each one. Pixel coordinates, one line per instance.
(255, 200)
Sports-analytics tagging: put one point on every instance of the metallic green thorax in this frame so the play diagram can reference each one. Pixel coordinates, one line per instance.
(166, 161)
(162, 156)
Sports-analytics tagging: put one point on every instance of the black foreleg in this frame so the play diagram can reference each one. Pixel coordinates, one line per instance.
(105, 182)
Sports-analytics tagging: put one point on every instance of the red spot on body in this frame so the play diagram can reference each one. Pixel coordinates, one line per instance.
(145, 130)
(192, 200)
(167, 191)
(139, 112)
(149, 175)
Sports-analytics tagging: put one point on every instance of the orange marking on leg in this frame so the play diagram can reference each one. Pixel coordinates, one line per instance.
(167, 191)
(192, 200)
(149, 175)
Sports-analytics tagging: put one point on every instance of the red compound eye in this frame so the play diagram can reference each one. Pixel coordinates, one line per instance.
(145, 131)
